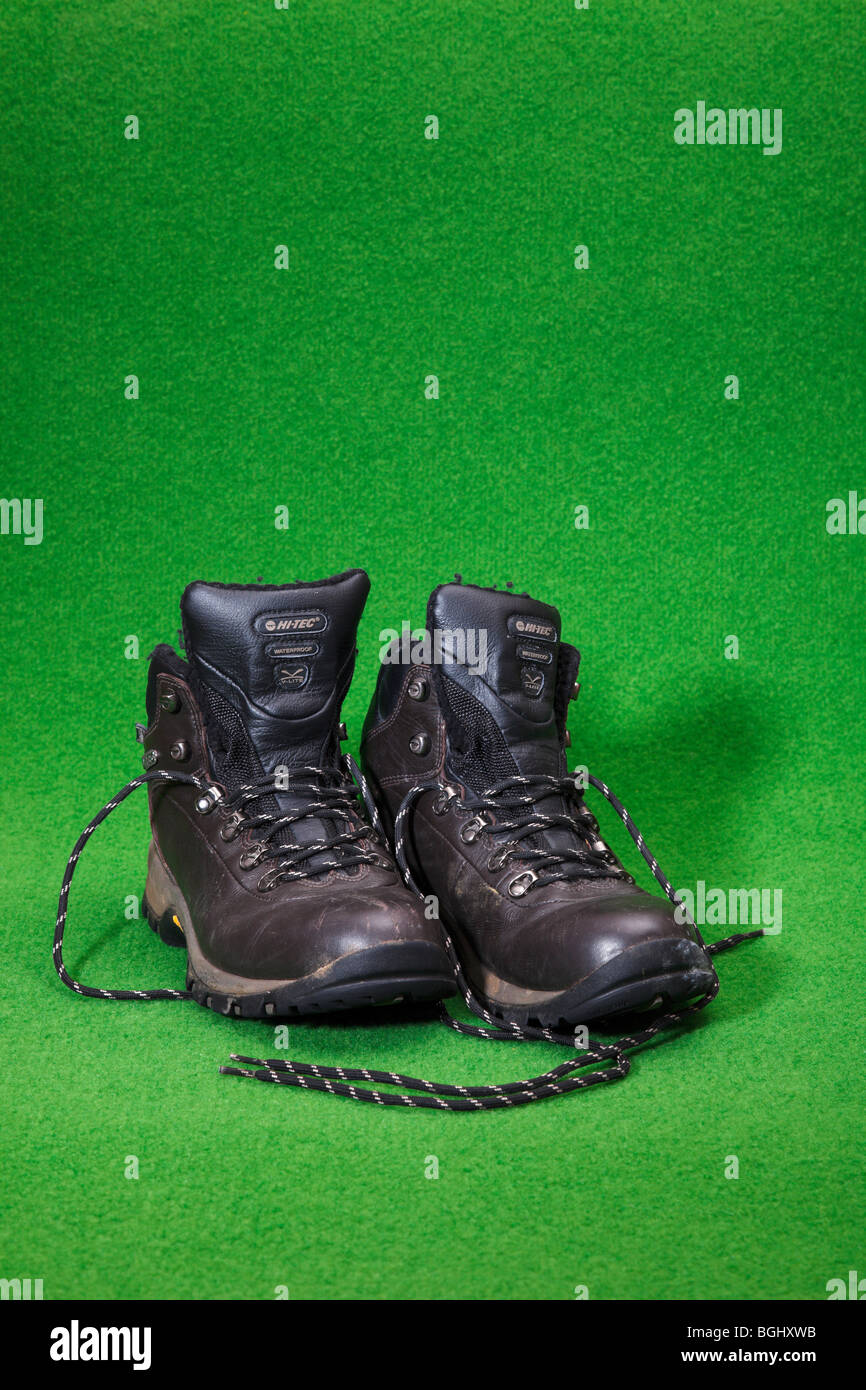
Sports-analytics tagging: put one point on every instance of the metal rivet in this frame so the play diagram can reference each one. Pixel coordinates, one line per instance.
(179, 751)
(150, 757)
(417, 689)
(169, 701)
(420, 744)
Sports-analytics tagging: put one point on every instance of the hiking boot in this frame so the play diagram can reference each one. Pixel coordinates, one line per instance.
(549, 929)
(285, 897)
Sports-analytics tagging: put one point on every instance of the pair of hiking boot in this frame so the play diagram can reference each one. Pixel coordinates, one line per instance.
(462, 858)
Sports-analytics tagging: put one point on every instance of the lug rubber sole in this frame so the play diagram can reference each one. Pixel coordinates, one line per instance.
(394, 972)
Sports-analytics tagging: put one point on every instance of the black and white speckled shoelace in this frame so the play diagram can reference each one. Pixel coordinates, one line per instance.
(611, 1059)
(324, 794)
(509, 815)
(90, 991)
(330, 796)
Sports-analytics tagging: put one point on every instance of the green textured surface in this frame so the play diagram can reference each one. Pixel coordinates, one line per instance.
(559, 387)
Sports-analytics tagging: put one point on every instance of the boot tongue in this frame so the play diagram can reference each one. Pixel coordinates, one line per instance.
(273, 664)
(499, 691)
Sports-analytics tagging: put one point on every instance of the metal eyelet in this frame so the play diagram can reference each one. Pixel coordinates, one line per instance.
(419, 745)
(266, 883)
(169, 701)
(497, 860)
(231, 829)
(417, 689)
(206, 802)
(445, 800)
(472, 829)
(179, 751)
(520, 885)
(251, 857)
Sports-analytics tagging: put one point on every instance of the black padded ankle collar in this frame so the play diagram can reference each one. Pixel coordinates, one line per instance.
(281, 656)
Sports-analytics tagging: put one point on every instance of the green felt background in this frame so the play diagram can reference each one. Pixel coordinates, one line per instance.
(559, 387)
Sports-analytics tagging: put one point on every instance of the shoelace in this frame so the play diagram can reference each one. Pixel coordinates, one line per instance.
(594, 861)
(212, 795)
(60, 926)
(513, 806)
(326, 795)
(610, 1058)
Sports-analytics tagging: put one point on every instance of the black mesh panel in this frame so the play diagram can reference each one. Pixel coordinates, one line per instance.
(235, 759)
(479, 753)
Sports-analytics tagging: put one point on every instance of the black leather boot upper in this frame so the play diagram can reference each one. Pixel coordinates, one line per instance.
(565, 931)
(255, 704)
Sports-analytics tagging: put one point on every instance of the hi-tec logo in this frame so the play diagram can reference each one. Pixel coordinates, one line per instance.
(291, 622)
(76, 1343)
(531, 627)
